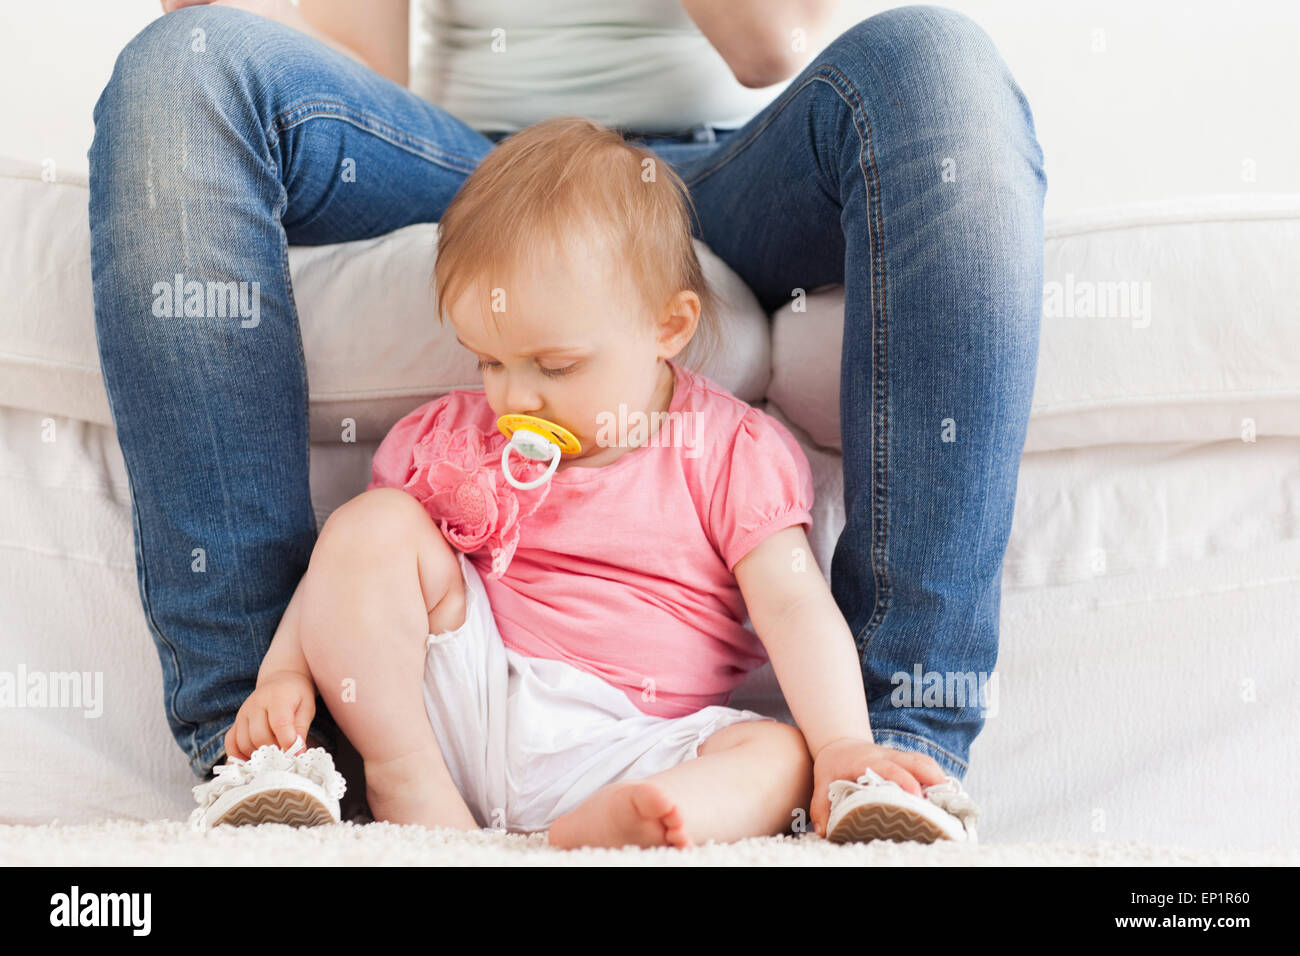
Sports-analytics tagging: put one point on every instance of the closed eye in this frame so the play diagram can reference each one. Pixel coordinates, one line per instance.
(484, 365)
(557, 372)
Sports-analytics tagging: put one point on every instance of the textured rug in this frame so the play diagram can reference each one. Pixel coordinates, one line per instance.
(171, 843)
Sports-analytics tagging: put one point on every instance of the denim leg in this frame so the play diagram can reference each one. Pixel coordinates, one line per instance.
(220, 138)
(903, 163)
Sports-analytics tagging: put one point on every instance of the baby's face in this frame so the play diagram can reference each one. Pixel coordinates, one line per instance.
(568, 348)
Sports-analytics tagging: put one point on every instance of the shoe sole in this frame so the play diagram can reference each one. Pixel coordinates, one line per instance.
(291, 807)
(279, 797)
(881, 822)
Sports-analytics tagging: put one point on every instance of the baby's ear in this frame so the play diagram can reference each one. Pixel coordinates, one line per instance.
(679, 321)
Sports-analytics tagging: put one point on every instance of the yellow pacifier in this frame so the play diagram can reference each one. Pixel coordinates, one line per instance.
(538, 439)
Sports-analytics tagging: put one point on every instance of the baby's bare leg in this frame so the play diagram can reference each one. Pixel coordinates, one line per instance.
(381, 579)
(747, 781)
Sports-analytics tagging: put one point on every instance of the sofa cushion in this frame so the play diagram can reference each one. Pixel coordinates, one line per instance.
(1206, 348)
(1206, 351)
(373, 347)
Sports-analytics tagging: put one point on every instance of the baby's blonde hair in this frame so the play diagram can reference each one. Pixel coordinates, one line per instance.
(570, 179)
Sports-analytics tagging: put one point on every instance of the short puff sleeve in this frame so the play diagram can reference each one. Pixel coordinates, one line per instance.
(764, 484)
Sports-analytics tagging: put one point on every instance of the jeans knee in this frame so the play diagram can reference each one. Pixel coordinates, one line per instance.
(151, 102)
(923, 23)
(183, 83)
(936, 65)
(926, 40)
(156, 69)
(937, 90)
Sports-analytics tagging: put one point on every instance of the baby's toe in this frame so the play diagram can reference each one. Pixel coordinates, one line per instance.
(653, 803)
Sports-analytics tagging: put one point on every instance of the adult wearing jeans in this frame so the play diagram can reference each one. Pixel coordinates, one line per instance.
(900, 161)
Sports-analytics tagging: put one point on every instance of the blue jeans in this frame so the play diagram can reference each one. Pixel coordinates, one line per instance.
(901, 162)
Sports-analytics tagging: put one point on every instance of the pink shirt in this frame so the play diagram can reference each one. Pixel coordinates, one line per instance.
(624, 571)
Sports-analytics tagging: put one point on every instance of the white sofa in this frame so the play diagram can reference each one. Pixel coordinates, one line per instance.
(1151, 588)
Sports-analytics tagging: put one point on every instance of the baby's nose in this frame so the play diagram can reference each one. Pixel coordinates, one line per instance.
(522, 399)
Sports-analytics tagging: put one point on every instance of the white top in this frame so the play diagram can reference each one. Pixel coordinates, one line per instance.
(643, 65)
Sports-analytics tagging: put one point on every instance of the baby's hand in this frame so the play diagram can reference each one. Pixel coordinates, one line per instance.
(280, 709)
(846, 758)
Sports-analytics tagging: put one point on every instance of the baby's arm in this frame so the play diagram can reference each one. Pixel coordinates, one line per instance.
(285, 652)
(807, 639)
(816, 663)
(283, 703)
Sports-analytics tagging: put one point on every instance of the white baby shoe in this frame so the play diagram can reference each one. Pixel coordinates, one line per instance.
(873, 808)
(298, 787)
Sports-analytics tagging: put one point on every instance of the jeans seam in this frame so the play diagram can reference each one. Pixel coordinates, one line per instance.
(367, 124)
(880, 361)
(153, 622)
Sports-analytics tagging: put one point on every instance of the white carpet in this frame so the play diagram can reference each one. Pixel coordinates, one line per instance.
(171, 843)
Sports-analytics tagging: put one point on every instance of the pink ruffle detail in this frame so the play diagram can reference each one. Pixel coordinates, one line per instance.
(458, 480)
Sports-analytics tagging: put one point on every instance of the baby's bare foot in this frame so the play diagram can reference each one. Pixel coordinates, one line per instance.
(405, 790)
(636, 813)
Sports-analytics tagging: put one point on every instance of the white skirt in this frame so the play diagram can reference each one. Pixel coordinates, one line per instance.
(528, 739)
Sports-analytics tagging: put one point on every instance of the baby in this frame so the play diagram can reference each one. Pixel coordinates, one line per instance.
(556, 652)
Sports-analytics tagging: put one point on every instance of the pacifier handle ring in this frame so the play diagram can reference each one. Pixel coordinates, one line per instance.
(526, 485)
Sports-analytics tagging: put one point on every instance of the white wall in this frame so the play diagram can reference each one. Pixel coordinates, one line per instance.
(1186, 93)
